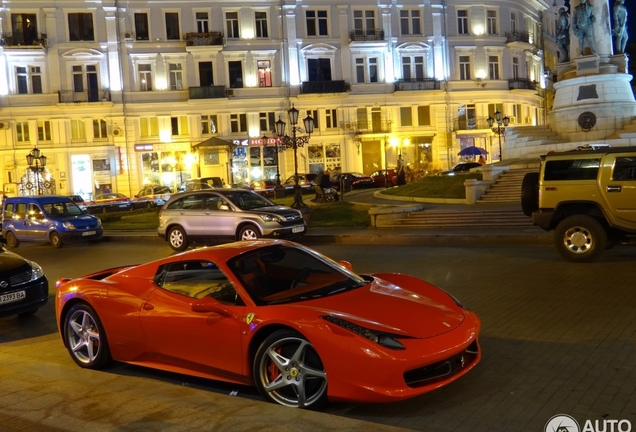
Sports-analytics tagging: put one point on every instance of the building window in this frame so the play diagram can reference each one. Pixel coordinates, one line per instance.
(462, 21)
(149, 127)
(78, 79)
(464, 67)
(22, 130)
(208, 124)
(78, 130)
(176, 77)
(410, 22)
(317, 23)
(238, 123)
(145, 77)
(364, 22)
(206, 77)
(267, 121)
(264, 73)
(44, 130)
(331, 119)
(179, 125)
(491, 22)
(80, 27)
(235, 69)
(232, 24)
(314, 114)
(366, 70)
(211, 158)
(493, 67)
(29, 80)
(513, 22)
(25, 30)
(493, 108)
(424, 115)
(515, 67)
(202, 22)
(261, 24)
(172, 26)
(406, 116)
(100, 131)
(412, 68)
(141, 26)
(319, 69)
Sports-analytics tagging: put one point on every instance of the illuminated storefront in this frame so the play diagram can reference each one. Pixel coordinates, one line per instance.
(168, 164)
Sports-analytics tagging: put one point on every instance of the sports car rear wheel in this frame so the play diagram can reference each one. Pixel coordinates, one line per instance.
(85, 337)
(288, 371)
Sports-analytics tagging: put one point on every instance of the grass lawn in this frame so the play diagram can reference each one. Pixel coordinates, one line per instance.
(435, 187)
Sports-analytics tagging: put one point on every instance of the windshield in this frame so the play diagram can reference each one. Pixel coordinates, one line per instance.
(282, 274)
(246, 200)
(62, 208)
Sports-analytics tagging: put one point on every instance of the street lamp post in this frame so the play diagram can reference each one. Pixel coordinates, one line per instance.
(500, 129)
(37, 162)
(294, 142)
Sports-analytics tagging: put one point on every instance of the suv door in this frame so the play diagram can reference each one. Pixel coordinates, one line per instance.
(37, 226)
(188, 212)
(219, 222)
(618, 187)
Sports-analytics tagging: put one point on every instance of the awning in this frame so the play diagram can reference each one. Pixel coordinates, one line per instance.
(213, 142)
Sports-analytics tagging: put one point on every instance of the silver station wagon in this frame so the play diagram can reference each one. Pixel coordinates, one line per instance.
(216, 215)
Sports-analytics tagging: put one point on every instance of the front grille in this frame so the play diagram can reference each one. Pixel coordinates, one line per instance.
(20, 278)
(443, 369)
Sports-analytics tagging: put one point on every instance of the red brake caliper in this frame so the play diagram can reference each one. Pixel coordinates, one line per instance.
(272, 368)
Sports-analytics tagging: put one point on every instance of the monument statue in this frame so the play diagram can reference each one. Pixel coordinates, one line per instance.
(583, 26)
(563, 35)
(620, 26)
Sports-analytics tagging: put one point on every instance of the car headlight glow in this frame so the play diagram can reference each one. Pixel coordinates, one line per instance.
(69, 225)
(36, 270)
(271, 218)
(386, 340)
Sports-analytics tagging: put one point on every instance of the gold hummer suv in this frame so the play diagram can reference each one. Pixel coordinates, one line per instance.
(587, 196)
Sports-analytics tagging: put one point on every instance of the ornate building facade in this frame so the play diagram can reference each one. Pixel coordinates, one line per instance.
(119, 94)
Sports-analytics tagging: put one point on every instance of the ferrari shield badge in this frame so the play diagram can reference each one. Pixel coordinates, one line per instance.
(249, 318)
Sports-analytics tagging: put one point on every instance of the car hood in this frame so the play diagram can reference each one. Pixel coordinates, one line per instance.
(10, 262)
(279, 210)
(77, 218)
(384, 306)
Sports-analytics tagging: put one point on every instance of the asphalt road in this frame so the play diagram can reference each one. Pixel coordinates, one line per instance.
(557, 338)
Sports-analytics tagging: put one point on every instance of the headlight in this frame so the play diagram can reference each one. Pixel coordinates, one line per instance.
(271, 218)
(99, 222)
(69, 225)
(36, 270)
(387, 340)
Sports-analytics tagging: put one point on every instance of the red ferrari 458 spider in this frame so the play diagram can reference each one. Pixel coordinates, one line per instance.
(303, 328)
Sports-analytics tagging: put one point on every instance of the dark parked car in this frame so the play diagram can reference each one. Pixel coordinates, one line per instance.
(352, 181)
(201, 183)
(79, 201)
(264, 187)
(152, 196)
(461, 168)
(109, 202)
(380, 178)
(306, 182)
(23, 286)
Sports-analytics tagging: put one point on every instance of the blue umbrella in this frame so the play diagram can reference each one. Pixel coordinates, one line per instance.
(472, 151)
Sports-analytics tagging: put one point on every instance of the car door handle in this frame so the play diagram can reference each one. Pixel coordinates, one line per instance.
(614, 188)
(147, 306)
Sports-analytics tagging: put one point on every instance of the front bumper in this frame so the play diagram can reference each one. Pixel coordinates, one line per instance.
(293, 231)
(75, 236)
(37, 295)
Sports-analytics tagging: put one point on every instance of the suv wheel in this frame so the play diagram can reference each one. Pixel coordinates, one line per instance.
(178, 239)
(580, 238)
(12, 240)
(249, 232)
(530, 193)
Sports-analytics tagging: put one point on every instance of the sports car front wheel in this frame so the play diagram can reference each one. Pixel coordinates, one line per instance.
(288, 371)
(85, 337)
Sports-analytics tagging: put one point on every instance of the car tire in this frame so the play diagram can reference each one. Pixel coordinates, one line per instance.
(530, 193)
(249, 232)
(287, 357)
(56, 240)
(12, 240)
(580, 238)
(178, 239)
(85, 337)
(149, 205)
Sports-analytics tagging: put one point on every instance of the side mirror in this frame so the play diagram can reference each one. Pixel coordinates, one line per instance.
(207, 305)
(224, 207)
(346, 264)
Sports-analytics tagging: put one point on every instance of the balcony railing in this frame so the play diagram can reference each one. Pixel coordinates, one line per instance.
(92, 95)
(470, 123)
(359, 35)
(369, 127)
(519, 36)
(417, 84)
(210, 92)
(205, 39)
(10, 40)
(312, 87)
(521, 84)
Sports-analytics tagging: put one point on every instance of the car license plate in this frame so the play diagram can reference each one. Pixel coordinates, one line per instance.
(12, 297)
(123, 205)
(87, 233)
(298, 229)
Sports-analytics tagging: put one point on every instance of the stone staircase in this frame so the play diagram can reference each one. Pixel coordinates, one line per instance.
(481, 217)
(507, 187)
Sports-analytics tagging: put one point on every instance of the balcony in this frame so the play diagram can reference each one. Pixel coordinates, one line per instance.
(521, 84)
(470, 123)
(204, 39)
(92, 95)
(522, 38)
(314, 87)
(209, 92)
(371, 127)
(360, 35)
(415, 84)
(11, 41)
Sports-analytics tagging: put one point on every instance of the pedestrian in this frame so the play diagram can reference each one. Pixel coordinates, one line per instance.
(401, 175)
(481, 159)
